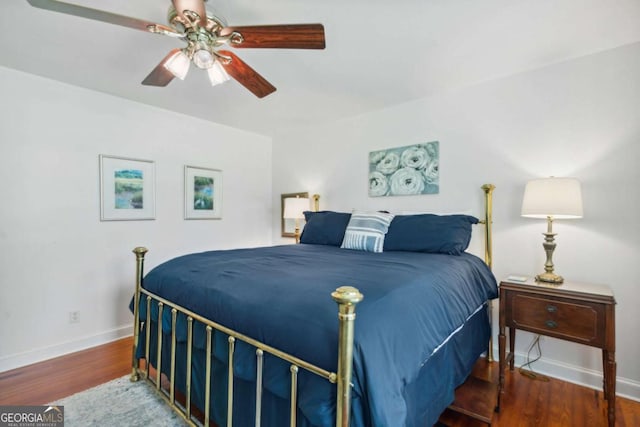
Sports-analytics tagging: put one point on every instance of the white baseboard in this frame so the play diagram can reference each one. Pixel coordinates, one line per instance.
(18, 360)
(625, 387)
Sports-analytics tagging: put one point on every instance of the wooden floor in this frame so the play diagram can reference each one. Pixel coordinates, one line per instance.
(534, 403)
(53, 379)
(526, 402)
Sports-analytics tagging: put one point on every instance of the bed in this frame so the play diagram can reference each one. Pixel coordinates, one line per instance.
(258, 325)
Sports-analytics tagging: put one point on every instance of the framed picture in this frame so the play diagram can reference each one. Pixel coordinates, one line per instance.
(405, 171)
(127, 189)
(202, 193)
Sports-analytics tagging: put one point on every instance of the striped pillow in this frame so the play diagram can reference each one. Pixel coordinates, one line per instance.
(366, 231)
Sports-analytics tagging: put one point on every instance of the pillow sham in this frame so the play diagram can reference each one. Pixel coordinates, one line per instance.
(366, 231)
(446, 234)
(324, 228)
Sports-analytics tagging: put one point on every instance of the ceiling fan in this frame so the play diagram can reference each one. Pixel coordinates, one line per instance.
(206, 36)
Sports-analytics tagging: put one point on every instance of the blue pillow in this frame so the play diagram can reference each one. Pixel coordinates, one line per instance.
(445, 234)
(324, 228)
(366, 231)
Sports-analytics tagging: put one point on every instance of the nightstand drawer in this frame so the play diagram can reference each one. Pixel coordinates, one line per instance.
(581, 321)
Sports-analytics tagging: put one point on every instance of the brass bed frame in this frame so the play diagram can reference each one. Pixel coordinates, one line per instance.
(346, 297)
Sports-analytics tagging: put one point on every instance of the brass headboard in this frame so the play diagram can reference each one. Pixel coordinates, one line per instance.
(488, 222)
(488, 250)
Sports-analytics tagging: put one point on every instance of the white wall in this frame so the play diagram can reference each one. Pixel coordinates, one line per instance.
(55, 254)
(579, 118)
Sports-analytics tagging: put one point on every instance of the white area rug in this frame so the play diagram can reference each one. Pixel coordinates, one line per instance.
(118, 403)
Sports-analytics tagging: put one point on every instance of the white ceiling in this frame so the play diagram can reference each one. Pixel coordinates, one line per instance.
(379, 53)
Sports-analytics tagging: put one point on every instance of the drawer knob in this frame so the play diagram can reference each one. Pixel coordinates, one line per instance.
(551, 324)
(552, 308)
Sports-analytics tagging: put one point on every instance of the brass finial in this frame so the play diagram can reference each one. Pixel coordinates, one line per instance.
(140, 251)
(347, 295)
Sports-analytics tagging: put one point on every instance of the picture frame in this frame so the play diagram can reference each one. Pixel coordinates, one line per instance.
(288, 225)
(127, 189)
(202, 193)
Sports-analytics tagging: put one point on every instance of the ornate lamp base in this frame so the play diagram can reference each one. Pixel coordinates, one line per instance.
(549, 278)
(549, 246)
(296, 232)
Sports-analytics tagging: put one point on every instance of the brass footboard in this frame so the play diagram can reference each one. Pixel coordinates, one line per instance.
(347, 297)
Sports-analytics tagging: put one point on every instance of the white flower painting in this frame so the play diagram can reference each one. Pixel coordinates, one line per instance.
(404, 171)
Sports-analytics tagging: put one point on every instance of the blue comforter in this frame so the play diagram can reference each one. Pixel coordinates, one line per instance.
(413, 303)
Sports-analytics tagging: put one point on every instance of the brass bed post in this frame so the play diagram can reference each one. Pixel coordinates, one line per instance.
(135, 364)
(347, 297)
(316, 202)
(488, 251)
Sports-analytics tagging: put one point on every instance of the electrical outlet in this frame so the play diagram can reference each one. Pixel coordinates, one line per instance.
(74, 316)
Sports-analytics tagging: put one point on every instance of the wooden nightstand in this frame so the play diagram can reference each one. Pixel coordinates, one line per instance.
(571, 311)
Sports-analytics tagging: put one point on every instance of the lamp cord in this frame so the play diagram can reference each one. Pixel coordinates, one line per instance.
(526, 368)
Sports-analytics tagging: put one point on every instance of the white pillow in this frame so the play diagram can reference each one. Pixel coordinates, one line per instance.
(366, 231)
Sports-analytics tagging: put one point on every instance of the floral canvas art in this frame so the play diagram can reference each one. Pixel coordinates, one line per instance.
(404, 171)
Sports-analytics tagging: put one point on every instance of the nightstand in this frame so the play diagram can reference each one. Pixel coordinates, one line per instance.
(571, 311)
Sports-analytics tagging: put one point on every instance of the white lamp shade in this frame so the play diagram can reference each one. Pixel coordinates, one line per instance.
(295, 206)
(217, 74)
(559, 198)
(178, 65)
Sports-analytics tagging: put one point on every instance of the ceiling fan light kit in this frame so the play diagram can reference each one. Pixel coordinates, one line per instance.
(205, 35)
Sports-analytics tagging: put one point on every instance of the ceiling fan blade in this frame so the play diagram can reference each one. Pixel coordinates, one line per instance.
(246, 76)
(100, 15)
(288, 36)
(160, 76)
(196, 6)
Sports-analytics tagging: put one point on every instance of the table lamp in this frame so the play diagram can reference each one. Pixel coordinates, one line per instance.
(294, 208)
(552, 198)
